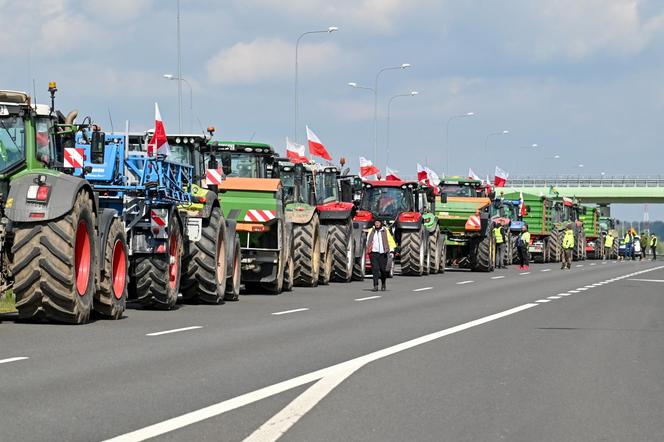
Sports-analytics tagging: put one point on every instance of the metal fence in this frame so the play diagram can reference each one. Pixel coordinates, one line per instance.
(587, 181)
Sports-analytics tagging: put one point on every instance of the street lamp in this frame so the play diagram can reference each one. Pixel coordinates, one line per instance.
(375, 91)
(532, 146)
(486, 141)
(191, 98)
(357, 86)
(447, 137)
(389, 109)
(329, 30)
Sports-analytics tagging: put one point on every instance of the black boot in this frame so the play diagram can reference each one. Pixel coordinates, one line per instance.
(375, 289)
(382, 286)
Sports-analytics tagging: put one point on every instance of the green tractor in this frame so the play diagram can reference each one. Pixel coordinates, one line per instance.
(52, 231)
(608, 224)
(252, 194)
(569, 211)
(594, 247)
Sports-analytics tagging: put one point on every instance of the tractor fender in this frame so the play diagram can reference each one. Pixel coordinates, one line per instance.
(104, 220)
(359, 236)
(299, 214)
(407, 225)
(211, 201)
(323, 230)
(62, 196)
(335, 215)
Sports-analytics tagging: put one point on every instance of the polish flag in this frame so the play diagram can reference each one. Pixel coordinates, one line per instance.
(295, 152)
(433, 177)
(391, 175)
(316, 148)
(500, 178)
(367, 168)
(158, 144)
(421, 173)
(522, 206)
(472, 175)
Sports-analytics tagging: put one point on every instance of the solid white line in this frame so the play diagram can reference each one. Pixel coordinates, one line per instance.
(8, 360)
(545, 270)
(498, 277)
(285, 312)
(248, 398)
(553, 297)
(423, 289)
(543, 300)
(167, 332)
(524, 273)
(464, 282)
(367, 298)
(647, 280)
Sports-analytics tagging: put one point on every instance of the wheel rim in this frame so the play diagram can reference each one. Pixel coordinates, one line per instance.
(236, 271)
(173, 261)
(422, 254)
(221, 262)
(82, 258)
(349, 255)
(119, 269)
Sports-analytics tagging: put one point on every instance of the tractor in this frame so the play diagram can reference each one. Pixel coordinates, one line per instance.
(406, 208)
(64, 255)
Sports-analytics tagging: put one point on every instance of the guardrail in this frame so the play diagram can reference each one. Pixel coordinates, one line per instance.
(587, 181)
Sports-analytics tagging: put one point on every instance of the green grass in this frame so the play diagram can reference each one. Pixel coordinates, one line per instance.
(7, 302)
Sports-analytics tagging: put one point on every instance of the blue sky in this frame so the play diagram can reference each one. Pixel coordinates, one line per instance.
(580, 78)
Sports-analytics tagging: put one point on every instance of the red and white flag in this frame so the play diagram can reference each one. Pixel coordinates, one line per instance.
(158, 144)
(295, 152)
(500, 178)
(367, 168)
(522, 206)
(391, 175)
(472, 175)
(433, 177)
(316, 148)
(421, 173)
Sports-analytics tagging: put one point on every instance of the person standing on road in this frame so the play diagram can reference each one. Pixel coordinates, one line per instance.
(653, 246)
(568, 246)
(608, 245)
(637, 252)
(380, 244)
(522, 244)
(499, 233)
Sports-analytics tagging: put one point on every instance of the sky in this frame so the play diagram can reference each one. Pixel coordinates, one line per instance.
(581, 79)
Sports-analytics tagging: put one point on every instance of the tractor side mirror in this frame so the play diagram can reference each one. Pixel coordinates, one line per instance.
(443, 198)
(212, 163)
(431, 196)
(98, 147)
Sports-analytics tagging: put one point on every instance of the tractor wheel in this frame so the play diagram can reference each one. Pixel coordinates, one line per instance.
(515, 251)
(615, 251)
(289, 275)
(554, 246)
(156, 280)
(54, 266)
(204, 263)
(360, 263)
(483, 253)
(326, 264)
(306, 253)
(434, 253)
(443, 254)
(110, 297)
(343, 252)
(233, 283)
(413, 252)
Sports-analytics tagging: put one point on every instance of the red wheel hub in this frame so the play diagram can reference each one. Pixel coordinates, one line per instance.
(119, 269)
(82, 258)
(173, 261)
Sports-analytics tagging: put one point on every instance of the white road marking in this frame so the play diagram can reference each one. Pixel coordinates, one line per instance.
(464, 282)
(177, 330)
(647, 280)
(593, 263)
(335, 372)
(18, 358)
(603, 262)
(367, 298)
(573, 291)
(579, 265)
(543, 300)
(545, 270)
(553, 297)
(524, 273)
(582, 289)
(564, 294)
(498, 277)
(285, 312)
(590, 286)
(423, 289)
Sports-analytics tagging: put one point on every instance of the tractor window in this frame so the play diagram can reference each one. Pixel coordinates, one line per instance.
(180, 154)
(45, 143)
(239, 164)
(288, 183)
(386, 201)
(12, 141)
(457, 190)
(327, 190)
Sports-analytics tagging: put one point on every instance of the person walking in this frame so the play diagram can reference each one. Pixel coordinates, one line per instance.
(653, 246)
(380, 244)
(522, 244)
(609, 239)
(568, 246)
(499, 233)
(638, 253)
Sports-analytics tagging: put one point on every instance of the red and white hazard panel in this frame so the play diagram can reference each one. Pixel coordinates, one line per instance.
(74, 157)
(214, 176)
(260, 216)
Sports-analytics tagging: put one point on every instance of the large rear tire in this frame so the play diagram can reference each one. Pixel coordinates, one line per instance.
(360, 263)
(483, 253)
(289, 274)
(343, 252)
(326, 265)
(443, 254)
(413, 252)
(54, 264)
(555, 246)
(156, 280)
(110, 298)
(434, 253)
(306, 253)
(233, 283)
(204, 263)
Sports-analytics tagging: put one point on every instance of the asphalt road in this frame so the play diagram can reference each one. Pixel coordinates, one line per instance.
(547, 356)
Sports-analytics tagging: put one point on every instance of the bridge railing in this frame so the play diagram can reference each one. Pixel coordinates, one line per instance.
(588, 181)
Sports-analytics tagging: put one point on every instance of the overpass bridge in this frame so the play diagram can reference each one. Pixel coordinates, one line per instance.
(598, 189)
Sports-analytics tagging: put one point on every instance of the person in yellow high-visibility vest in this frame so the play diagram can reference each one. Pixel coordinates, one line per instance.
(653, 246)
(499, 234)
(608, 245)
(522, 245)
(568, 246)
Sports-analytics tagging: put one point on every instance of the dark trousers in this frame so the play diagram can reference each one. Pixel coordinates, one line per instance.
(524, 256)
(378, 267)
(654, 252)
(500, 255)
(567, 258)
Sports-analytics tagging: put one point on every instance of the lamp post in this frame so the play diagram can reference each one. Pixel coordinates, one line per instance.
(447, 137)
(329, 30)
(389, 110)
(179, 69)
(486, 141)
(375, 91)
(191, 98)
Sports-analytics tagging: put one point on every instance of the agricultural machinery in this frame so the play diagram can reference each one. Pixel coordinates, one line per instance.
(594, 244)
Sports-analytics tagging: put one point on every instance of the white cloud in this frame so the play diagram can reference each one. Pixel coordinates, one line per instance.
(267, 59)
(116, 10)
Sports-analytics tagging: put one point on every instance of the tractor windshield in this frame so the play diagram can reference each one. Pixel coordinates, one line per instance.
(180, 154)
(458, 190)
(327, 190)
(12, 141)
(240, 164)
(386, 201)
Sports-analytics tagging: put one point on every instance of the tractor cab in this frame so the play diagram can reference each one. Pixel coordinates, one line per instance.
(298, 185)
(386, 200)
(464, 188)
(241, 159)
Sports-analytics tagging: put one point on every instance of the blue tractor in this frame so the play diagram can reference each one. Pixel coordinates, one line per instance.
(177, 238)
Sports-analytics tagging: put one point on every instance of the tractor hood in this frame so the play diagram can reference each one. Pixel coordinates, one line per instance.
(255, 184)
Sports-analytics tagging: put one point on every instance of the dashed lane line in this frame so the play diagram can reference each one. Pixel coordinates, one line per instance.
(579, 265)
(285, 312)
(543, 300)
(176, 330)
(367, 298)
(554, 297)
(498, 277)
(464, 282)
(545, 270)
(16, 359)
(564, 294)
(423, 289)
(524, 273)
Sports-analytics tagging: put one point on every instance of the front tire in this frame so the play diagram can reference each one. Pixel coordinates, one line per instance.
(306, 253)
(233, 283)
(413, 253)
(110, 299)
(343, 252)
